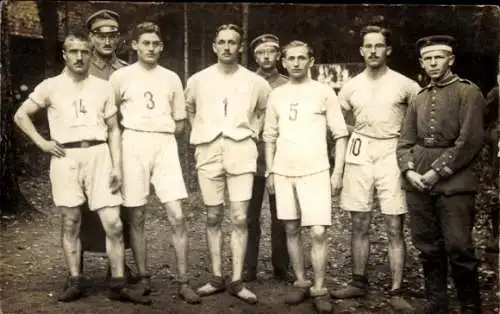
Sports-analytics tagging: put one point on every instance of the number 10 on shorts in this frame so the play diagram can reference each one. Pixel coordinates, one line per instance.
(357, 150)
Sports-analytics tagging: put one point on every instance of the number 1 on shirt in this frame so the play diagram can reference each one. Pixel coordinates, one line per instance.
(79, 107)
(292, 115)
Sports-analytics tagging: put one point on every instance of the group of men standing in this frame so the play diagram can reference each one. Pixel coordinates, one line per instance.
(410, 147)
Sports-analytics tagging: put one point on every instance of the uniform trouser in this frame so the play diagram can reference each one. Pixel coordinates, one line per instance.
(279, 250)
(441, 230)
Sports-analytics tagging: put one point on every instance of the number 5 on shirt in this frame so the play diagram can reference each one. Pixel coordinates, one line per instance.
(357, 152)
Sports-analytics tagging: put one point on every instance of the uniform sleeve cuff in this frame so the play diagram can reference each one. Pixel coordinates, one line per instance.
(444, 171)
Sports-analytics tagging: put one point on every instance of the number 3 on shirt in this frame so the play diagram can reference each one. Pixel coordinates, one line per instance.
(292, 115)
(150, 103)
(357, 150)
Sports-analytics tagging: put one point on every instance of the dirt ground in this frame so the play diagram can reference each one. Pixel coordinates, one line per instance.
(33, 271)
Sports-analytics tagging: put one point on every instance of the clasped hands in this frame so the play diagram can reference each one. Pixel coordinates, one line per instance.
(422, 182)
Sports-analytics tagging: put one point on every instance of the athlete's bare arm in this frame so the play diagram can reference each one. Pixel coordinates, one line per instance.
(22, 118)
(114, 141)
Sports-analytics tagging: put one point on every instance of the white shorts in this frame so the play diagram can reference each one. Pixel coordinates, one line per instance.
(239, 188)
(307, 198)
(150, 157)
(83, 171)
(372, 169)
(225, 162)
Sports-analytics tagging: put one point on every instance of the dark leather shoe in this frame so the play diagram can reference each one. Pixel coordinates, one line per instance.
(118, 292)
(73, 290)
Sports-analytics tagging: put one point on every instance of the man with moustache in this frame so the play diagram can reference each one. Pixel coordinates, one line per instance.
(298, 169)
(86, 160)
(151, 101)
(441, 135)
(378, 98)
(104, 34)
(225, 105)
(266, 52)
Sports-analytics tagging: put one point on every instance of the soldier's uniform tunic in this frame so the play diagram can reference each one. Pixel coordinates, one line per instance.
(103, 69)
(443, 130)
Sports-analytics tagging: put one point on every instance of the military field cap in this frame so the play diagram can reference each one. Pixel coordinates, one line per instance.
(103, 18)
(435, 42)
(265, 40)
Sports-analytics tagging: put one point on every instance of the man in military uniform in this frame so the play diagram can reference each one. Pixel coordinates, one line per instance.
(104, 34)
(440, 137)
(266, 53)
(103, 27)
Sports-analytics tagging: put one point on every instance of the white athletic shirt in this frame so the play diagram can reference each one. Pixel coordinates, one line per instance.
(76, 111)
(379, 106)
(149, 100)
(231, 105)
(297, 117)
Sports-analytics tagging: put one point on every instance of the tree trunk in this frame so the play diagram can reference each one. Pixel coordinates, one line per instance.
(11, 199)
(186, 42)
(47, 10)
(244, 55)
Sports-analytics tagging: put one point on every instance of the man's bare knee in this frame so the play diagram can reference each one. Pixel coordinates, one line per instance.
(239, 219)
(137, 217)
(177, 221)
(292, 228)
(361, 224)
(115, 228)
(175, 214)
(214, 218)
(318, 234)
(110, 218)
(71, 220)
(394, 226)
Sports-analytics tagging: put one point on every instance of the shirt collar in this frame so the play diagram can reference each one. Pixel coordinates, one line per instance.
(65, 74)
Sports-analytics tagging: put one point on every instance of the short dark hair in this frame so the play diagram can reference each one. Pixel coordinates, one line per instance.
(145, 27)
(297, 43)
(81, 36)
(376, 29)
(232, 27)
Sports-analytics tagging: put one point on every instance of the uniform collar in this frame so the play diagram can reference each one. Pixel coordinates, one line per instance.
(268, 75)
(444, 82)
(101, 63)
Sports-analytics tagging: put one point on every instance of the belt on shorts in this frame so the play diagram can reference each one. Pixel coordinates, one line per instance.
(431, 142)
(82, 144)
